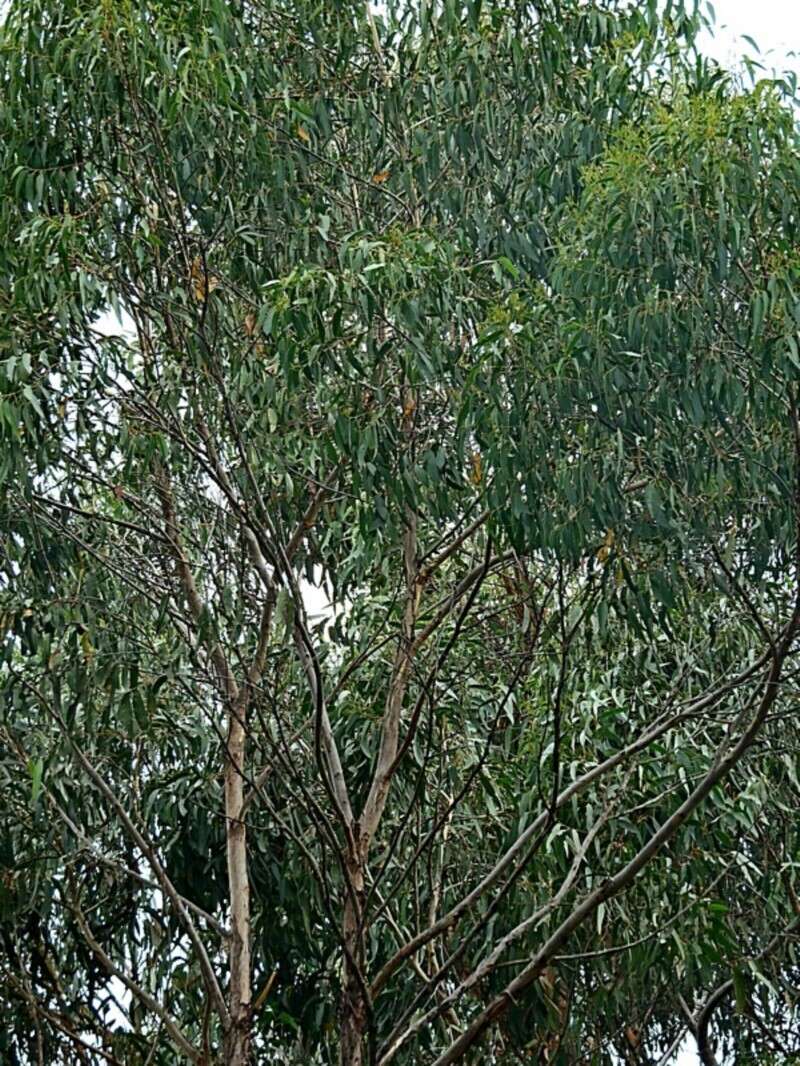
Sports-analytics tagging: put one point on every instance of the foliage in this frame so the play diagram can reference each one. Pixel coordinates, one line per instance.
(478, 320)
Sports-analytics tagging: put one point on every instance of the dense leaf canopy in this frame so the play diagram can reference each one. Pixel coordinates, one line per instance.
(399, 512)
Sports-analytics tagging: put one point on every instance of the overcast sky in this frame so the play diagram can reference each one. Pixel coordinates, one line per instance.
(773, 24)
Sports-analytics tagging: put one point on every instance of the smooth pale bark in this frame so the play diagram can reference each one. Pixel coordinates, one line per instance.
(237, 1043)
(390, 727)
(354, 1007)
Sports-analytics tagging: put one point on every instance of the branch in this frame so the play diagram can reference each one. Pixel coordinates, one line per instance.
(657, 730)
(136, 989)
(429, 568)
(147, 850)
(195, 603)
(477, 573)
(702, 1020)
(491, 961)
(390, 726)
(620, 881)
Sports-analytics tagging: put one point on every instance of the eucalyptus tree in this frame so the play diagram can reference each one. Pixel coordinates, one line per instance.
(477, 322)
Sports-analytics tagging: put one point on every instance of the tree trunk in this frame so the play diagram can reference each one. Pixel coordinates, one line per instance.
(354, 1007)
(237, 1038)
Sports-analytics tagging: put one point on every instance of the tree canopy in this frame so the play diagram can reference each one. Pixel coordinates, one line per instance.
(399, 605)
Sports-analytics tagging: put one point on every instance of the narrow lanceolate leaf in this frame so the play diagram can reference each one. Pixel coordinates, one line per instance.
(36, 770)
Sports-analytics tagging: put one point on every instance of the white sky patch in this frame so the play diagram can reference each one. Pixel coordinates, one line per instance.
(774, 25)
(110, 326)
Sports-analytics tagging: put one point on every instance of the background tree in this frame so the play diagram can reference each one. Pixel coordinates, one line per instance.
(480, 321)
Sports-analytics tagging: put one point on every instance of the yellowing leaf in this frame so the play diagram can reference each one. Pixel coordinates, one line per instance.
(604, 550)
(302, 133)
(476, 473)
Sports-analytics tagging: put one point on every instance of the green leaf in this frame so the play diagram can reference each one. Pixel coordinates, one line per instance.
(36, 770)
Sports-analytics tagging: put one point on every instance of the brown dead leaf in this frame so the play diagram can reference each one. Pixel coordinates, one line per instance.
(202, 283)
